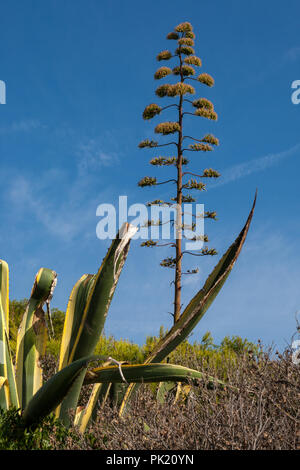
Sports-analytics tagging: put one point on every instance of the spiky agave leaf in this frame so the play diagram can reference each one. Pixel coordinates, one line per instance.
(98, 397)
(8, 394)
(32, 337)
(197, 307)
(50, 395)
(145, 373)
(93, 303)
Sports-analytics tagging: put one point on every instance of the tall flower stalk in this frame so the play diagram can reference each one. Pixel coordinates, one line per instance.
(185, 70)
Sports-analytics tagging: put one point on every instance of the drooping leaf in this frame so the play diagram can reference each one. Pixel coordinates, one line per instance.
(145, 373)
(50, 395)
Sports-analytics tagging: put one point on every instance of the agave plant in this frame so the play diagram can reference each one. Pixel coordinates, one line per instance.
(21, 384)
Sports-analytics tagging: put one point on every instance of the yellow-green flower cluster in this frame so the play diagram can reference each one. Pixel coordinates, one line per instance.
(147, 143)
(184, 27)
(202, 238)
(151, 110)
(168, 262)
(194, 184)
(206, 79)
(210, 215)
(210, 139)
(174, 90)
(163, 161)
(206, 113)
(201, 147)
(157, 202)
(190, 34)
(147, 181)
(185, 42)
(210, 173)
(185, 69)
(149, 243)
(173, 35)
(193, 60)
(184, 50)
(210, 252)
(162, 72)
(166, 128)
(164, 55)
(203, 103)
(187, 198)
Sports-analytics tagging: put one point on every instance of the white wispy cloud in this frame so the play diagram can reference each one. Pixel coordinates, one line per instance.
(237, 172)
(293, 54)
(64, 208)
(91, 156)
(25, 125)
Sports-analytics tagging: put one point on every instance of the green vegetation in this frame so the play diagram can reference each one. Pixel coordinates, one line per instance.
(125, 350)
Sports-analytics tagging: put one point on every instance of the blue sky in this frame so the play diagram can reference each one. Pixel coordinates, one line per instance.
(78, 76)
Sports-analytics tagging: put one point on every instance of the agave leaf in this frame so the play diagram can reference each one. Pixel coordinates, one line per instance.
(101, 294)
(48, 397)
(92, 310)
(97, 399)
(100, 393)
(4, 386)
(145, 373)
(8, 394)
(163, 389)
(197, 306)
(32, 337)
(182, 392)
(75, 309)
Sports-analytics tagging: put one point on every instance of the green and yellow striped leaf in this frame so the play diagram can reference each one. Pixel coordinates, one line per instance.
(8, 393)
(197, 306)
(32, 337)
(100, 393)
(145, 373)
(50, 395)
(97, 399)
(87, 312)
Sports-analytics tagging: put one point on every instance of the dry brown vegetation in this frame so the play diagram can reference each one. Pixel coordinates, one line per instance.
(259, 409)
